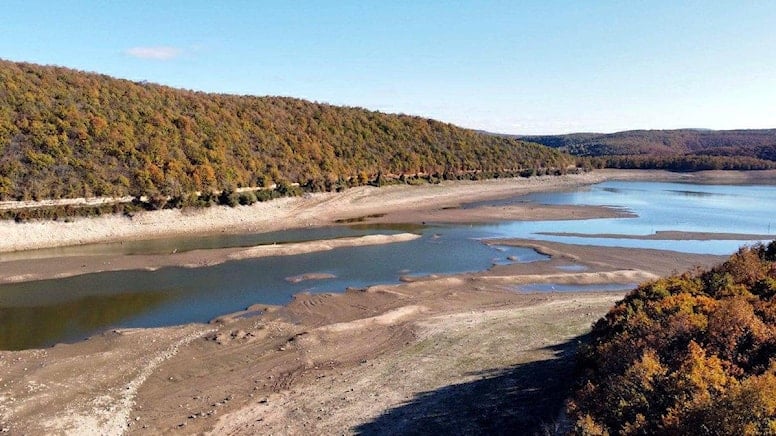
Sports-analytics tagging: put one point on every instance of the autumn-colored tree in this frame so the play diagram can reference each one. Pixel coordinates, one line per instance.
(688, 354)
(60, 127)
(676, 150)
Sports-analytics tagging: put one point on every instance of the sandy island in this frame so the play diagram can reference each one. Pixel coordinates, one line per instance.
(293, 248)
(310, 276)
(456, 354)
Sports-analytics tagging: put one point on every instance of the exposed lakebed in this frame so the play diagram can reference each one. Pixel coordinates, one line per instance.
(41, 313)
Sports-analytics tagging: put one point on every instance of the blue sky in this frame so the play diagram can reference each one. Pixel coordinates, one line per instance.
(528, 67)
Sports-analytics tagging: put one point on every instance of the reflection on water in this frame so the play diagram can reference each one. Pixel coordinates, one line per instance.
(45, 312)
(181, 244)
(620, 190)
(659, 207)
(359, 219)
(572, 268)
(36, 325)
(388, 227)
(201, 294)
(695, 193)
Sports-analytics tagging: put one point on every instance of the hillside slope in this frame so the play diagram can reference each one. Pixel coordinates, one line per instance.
(684, 149)
(695, 354)
(753, 143)
(66, 133)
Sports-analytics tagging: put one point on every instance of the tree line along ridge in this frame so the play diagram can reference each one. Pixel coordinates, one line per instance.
(69, 134)
(674, 150)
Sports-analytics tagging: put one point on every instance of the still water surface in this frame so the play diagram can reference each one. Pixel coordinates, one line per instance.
(42, 313)
(659, 207)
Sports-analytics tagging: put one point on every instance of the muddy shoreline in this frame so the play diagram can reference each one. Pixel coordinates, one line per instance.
(395, 203)
(316, 364)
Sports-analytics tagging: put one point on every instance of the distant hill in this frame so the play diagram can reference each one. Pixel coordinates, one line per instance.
(755, 143)
(674, 149)
(66, 133)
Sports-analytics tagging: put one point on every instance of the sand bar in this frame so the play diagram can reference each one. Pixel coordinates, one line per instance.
(59, 267)
(295, 248)
(310, 276)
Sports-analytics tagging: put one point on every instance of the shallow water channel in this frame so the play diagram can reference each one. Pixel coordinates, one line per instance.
(42, 313)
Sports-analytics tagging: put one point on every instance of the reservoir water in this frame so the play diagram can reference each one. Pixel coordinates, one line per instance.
(659, 206)
(42, 313)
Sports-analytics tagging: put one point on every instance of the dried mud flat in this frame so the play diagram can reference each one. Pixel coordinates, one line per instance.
(456, 354)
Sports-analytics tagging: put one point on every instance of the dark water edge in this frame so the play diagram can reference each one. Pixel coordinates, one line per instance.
(43, 313)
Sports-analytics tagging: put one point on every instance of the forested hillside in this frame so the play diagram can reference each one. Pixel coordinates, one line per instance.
(66, 133)
(685, 149)
(690, 354)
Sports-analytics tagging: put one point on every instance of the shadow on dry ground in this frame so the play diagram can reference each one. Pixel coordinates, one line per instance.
(524, 399)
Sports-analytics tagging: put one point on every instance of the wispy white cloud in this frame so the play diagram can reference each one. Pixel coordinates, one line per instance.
(159, 53)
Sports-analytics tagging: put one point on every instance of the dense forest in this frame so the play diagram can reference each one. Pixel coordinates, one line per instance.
(689, 354)
(66, 133)
(679, 150)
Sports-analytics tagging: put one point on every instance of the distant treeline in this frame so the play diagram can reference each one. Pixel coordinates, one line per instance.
(685, 355)
(684, 163)
(676, 150)
(66, 134)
